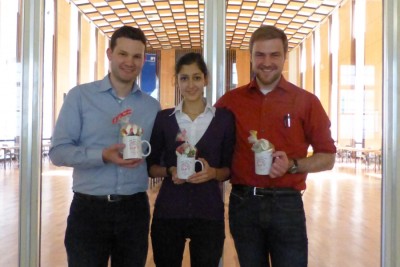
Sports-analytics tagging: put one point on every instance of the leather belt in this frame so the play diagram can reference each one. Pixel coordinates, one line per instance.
(107, 198)
(261, 192)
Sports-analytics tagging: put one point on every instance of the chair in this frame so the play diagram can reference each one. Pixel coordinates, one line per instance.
(10, 154)
(344, 155)
(372, 158)
(45, 150)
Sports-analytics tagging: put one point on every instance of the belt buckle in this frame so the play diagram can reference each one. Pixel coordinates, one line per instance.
(110, 199)
(255, 192)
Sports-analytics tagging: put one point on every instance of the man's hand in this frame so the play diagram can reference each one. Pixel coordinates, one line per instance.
(112, 154)
(280, 164)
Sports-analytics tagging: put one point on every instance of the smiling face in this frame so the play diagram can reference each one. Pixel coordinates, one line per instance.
(191, 82)
(268, 59)
(126, 60)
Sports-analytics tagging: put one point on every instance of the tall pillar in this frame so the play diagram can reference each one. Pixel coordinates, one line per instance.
(215, 47)
(31, 133)
(391, 131)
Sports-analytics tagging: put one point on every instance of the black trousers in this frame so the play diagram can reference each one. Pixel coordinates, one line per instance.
(168, 237)
(98, 229)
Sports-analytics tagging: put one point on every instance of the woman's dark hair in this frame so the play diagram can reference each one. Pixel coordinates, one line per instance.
(127, 32)
(191, 58)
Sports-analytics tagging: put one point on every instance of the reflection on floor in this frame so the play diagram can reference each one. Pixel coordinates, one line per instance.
(342, 206)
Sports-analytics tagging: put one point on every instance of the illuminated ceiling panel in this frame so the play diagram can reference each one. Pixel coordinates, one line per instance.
(179, 23)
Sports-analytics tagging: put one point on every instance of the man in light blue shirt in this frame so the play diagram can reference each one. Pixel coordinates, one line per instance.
(109, 215)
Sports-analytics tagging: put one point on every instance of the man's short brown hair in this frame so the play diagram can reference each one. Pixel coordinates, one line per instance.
(268, 33)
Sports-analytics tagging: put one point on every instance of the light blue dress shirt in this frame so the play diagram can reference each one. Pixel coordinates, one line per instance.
(84, 128)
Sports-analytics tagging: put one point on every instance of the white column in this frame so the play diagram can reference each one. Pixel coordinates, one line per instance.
(31, 144)
(214, 47)
(391, 131)
(214, 52)
(359, 35)
(334, 48)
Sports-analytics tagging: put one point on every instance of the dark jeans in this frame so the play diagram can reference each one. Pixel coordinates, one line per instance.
(168, 237)
(268, 228)
(98, 229)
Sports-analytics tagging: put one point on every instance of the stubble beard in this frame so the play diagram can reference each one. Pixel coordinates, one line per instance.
(268, 81)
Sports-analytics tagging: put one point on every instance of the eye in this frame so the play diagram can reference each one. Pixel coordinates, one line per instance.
(183, 78)
(197, 78)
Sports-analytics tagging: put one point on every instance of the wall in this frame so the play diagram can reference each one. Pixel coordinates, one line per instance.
(167, 79)
(243, 66)
(359, 116)
(325, 67)
(373, 63)
(308, 76)
(102, 45)
(62, 52)
(85, 46)
(346, 61)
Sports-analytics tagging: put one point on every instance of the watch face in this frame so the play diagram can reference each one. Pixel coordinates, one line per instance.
(293, 169)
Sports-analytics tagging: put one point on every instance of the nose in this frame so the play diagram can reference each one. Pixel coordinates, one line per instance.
(129, 61)
(267, 60)
(190, 83)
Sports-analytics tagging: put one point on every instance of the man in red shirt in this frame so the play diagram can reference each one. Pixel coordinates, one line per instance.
(266, 213)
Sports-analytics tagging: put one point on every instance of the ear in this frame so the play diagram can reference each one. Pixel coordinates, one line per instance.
(206, 81)
(109, 53)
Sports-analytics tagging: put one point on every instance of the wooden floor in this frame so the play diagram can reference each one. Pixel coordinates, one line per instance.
(342, 207)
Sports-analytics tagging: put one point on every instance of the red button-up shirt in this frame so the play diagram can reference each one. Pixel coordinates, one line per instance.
(309, 125)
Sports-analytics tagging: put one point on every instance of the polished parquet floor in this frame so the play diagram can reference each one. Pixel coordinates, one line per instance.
(343, 208)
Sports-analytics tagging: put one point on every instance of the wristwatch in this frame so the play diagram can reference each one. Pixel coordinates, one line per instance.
(294, 167)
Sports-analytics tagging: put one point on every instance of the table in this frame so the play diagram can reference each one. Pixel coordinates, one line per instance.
(362, 153)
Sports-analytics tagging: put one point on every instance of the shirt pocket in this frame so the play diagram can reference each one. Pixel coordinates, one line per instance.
(287, 130)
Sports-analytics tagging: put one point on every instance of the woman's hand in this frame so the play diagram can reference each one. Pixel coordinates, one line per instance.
(208, 173)
(175, 178)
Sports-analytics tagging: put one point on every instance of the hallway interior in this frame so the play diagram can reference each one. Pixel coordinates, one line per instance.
(343, 209)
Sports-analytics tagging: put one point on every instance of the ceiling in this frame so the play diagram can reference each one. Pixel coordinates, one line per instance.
(179, 23)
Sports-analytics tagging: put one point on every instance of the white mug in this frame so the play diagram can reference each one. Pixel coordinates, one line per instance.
(133, 147)
(263, 162)
(186, 166)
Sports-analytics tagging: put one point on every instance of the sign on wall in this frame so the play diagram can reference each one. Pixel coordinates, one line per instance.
(149, 79)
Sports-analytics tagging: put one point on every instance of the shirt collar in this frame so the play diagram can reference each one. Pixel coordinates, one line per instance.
(105, 86)
(282, 85)
(208, 108)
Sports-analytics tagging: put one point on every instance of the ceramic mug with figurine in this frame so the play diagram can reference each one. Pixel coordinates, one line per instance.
(263, 150)
(134, 147)
(186, 166)
(263, 162)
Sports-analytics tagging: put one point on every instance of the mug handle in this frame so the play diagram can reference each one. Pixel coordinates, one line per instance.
(201, 163)
(148, 144)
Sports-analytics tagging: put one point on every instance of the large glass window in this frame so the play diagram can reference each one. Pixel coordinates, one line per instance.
(352, 93)
(10, 118)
